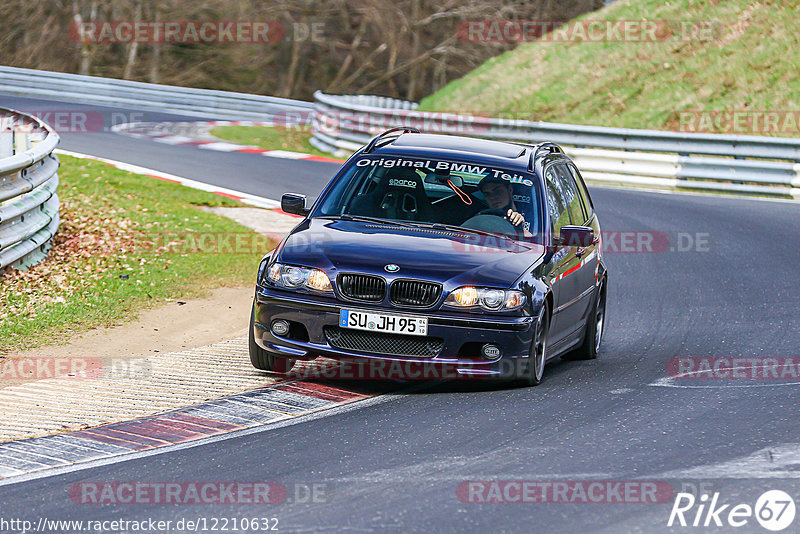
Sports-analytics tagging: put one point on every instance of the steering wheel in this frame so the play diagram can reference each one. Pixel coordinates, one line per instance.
(495, 211)
(491, 220)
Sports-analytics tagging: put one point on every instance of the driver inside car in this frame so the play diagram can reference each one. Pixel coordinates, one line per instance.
(499, 195)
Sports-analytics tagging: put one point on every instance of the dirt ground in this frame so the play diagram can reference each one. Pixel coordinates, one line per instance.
(177, 326)
(170, 328)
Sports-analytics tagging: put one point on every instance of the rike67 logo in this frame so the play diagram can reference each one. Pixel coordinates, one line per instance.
(774, 510)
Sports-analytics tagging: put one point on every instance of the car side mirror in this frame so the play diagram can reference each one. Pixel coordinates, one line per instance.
(576, 236)
(294, 204)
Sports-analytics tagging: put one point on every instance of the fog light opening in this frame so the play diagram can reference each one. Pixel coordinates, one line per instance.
(280, 327)
(491, 351)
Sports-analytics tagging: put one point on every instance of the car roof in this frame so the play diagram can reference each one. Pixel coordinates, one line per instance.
(511, 156)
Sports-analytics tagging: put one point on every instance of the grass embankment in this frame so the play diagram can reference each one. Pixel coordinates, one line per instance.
(291, 139)
(708, 60)
(734, 56)
(125, 242)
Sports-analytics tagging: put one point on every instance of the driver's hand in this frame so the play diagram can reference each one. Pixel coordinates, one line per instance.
(515, 217)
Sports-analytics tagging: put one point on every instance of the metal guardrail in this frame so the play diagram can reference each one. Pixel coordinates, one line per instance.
(342, 124)
(648, 158)
(28, 184)
(204, 103)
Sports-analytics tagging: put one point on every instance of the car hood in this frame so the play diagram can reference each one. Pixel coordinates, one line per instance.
(449, 257)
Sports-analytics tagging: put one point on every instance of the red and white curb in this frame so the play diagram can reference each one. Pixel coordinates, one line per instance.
(256, 409)
(196, 134)
(246, 198)
(260, 409)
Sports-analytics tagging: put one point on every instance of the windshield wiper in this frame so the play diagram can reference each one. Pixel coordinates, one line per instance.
(413, 224)
(456, 228)
(364, 218)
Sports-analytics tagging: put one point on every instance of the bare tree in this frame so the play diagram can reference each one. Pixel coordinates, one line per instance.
(401, 48)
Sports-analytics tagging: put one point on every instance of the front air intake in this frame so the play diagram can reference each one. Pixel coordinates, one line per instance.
(416, 293)
(362, 287)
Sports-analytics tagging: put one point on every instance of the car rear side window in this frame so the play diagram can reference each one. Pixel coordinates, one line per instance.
(556, 205)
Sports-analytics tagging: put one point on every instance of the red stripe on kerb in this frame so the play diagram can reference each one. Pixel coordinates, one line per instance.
(102, 438)
(330, 390)
(220, 193)
(164, 431)
(198, 143)
(311, 389)
(278, 210)
(323, 158)
(201, 421)
(162, 178)
(197, 430)
(292, 388)
(118, 433)
(252, 150)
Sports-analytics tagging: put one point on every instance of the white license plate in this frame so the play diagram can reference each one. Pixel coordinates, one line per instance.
(378, 322)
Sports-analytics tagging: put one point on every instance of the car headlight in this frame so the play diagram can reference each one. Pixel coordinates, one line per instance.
(486, 298)
(294, 277)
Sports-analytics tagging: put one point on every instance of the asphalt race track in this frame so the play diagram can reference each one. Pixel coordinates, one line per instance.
(242, 172)
(395, 463)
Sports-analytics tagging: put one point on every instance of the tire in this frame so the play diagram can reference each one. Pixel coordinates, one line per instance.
(595, 325)
(260, 358)
(537, 355)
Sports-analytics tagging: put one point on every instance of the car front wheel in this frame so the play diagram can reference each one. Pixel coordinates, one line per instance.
(537, 357)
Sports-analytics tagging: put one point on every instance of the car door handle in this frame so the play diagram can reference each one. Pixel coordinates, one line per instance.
(580, 252)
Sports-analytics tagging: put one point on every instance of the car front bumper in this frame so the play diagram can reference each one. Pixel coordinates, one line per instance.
(462, 334)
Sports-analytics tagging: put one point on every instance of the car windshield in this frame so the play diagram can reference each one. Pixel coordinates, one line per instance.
(425, 191)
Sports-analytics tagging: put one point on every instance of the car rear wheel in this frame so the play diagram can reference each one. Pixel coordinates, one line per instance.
(263, 360)
(537, 357)
(595, 325)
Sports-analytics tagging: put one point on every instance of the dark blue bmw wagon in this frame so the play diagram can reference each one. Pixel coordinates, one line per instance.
(443, 250)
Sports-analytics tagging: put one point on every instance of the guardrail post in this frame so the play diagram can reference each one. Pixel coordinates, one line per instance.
(35, 138)
(22, 141)
(6, 136)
